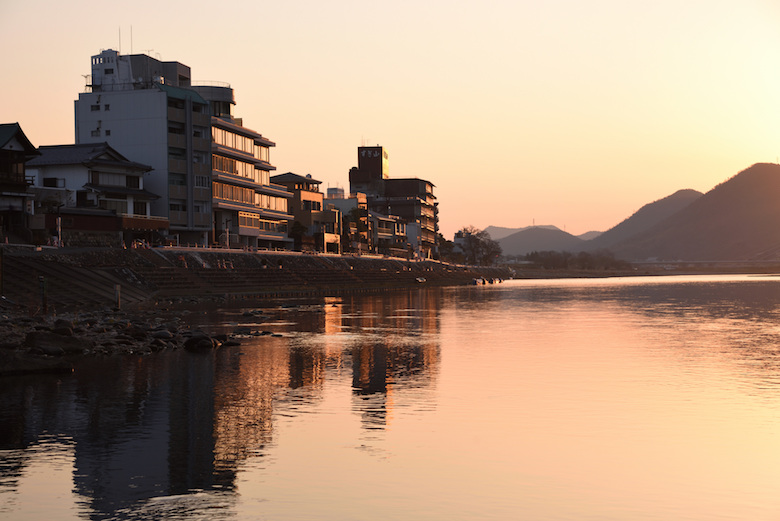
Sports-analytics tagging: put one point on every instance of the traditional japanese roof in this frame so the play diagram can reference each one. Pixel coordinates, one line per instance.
(9, 131)
(137, 192)
(88, 154)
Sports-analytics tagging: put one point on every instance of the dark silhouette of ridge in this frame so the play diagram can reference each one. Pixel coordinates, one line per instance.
(644, 219)
(539, 238)
(738, 220)
(499, 232)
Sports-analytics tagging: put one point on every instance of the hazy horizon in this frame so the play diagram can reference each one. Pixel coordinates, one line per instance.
(570, 114)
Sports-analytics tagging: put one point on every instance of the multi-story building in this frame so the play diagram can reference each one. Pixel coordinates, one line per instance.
(356, 233)
(411, 199)
(249, 210)
(145, 110)
(151, 112)
(15, 150)
(322, 224)
(389, 234)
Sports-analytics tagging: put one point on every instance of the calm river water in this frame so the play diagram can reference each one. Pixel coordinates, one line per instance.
(611, 399)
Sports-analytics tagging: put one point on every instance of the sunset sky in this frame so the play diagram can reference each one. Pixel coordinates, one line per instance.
(561, 112)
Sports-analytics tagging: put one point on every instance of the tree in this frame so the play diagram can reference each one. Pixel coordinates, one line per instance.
(446, 247)
(478, 247)
(297, 231)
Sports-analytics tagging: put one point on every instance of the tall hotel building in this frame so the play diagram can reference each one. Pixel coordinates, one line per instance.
(211, 173)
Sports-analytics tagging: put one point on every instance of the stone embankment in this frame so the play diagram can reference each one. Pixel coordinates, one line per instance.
(57, 304)
(87, 279)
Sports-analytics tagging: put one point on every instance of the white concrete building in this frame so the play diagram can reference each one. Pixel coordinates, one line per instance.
(140, 106)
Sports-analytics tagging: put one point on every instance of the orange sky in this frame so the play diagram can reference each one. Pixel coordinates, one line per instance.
(569, 113)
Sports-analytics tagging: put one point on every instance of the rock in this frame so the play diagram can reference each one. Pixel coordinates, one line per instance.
(53, 344)
(158, 344)
(62, 323)
(199, 342)
(62, 331)
(137, 333)
(162, 334)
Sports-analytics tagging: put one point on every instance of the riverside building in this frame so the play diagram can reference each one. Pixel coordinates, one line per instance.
(211, 173)
(411, 199)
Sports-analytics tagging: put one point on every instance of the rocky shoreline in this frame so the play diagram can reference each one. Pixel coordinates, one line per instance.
(51, 344)
(59, 305)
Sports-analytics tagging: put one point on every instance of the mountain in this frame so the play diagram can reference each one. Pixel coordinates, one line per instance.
(737, 220)
(587, 236)
(644, 218)
(539, 238)
(498, 232)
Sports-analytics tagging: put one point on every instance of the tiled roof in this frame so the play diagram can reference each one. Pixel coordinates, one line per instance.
(9, 131)
(83, 153)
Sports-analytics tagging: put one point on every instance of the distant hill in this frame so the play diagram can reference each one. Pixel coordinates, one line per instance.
(498, 232)
(737, 220)
(539, 238)
(587, 236)
(644, 218)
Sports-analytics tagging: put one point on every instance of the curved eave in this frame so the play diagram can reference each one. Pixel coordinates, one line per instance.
(135, 192)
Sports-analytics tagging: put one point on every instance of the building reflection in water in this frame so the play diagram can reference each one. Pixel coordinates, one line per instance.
(178, 422)
(402, 352)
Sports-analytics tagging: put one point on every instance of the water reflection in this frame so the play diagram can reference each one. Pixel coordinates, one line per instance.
(618, 399)
(179, 423)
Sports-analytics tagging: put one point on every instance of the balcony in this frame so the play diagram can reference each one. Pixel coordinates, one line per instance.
(177, 165)
(177, 140)
(178, 218)
(177, 191)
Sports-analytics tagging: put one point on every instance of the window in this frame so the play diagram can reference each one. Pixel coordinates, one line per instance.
(94, 108)
(202, 181)
(177, 153)
(175, 127)
(119, 207)
(95, 133)
(107, 179)
(177, 179)
(108, 132)
(139, 207)
(53, 182)
(133, 181)
(109, 71)
(106, 107)
(179, 206)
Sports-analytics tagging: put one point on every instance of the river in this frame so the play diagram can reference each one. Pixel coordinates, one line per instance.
(646, 398)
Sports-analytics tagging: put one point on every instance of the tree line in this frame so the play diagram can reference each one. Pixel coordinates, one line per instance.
(563, 260)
